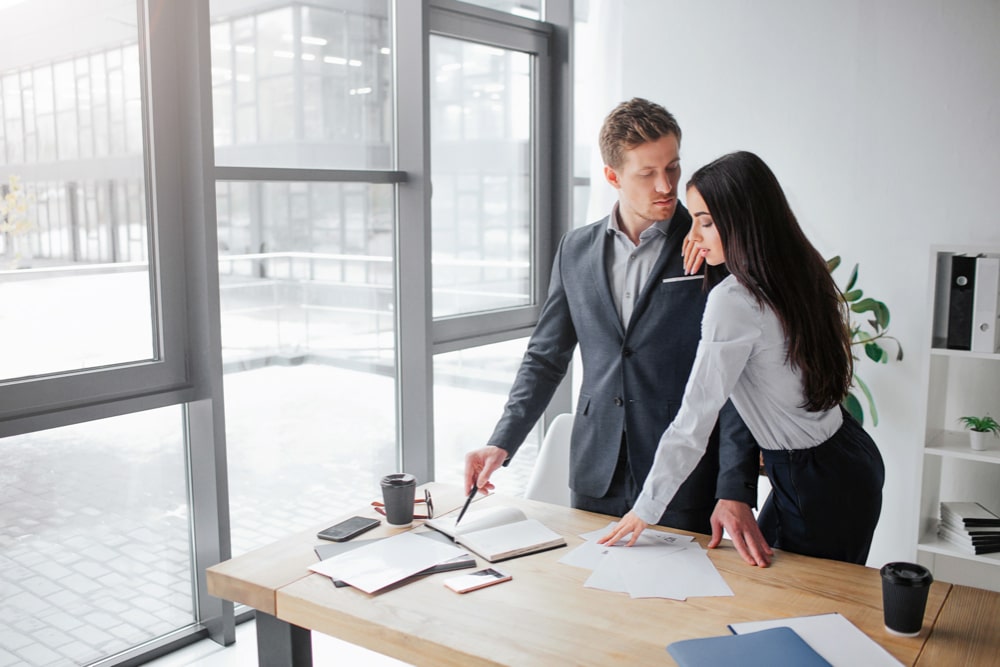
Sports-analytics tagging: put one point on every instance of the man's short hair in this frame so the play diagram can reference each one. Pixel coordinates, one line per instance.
(631, 124)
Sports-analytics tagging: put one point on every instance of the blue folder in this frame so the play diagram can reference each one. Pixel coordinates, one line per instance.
(766, 648)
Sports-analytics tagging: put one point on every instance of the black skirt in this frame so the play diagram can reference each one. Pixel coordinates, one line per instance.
(825, 501)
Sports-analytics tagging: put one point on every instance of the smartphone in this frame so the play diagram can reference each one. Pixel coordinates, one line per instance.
(472, 581)
(348, 528)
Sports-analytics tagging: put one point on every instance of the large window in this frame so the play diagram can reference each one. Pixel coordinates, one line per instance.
(224, 268)
(481, 209)
(307, 266)
(490, 99)
(470, 390)
(74, 232)
(89, 210)
(307, 86)
(95, 544)
(96, 555)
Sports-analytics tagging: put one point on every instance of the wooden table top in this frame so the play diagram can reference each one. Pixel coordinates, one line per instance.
(545, 615)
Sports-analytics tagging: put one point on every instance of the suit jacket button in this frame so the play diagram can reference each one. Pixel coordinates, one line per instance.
(627, 352)
(618, 401)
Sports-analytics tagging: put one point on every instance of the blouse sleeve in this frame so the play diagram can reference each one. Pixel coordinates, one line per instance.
(730, 327)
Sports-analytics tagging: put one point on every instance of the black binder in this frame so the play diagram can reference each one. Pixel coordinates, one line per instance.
(961, 291)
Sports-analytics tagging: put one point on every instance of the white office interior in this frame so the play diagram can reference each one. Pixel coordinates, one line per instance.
(229, 332)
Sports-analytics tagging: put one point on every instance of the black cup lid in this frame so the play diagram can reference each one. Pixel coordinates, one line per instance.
(907, 574)
(399, 479)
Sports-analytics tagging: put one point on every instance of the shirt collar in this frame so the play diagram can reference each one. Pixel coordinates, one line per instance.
(613, 226)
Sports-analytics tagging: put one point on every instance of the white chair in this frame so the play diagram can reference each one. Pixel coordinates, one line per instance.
(550, 478)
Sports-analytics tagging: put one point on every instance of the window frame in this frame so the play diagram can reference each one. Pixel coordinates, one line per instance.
(474, 24)
(180, 177)
(419, 334)
(55, 399)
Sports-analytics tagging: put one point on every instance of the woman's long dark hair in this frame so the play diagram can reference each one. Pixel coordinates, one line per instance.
(770, 255)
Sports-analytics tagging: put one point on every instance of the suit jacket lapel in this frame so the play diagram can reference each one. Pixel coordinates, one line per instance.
(679, 226)
(599, 271)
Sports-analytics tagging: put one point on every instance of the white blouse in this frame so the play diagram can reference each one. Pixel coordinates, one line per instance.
(741, 356)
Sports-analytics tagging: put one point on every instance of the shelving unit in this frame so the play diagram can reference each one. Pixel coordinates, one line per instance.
(957, 383)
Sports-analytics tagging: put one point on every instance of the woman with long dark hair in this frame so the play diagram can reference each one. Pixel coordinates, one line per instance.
(775, 339)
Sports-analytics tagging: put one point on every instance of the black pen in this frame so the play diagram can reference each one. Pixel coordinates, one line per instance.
(468, 501)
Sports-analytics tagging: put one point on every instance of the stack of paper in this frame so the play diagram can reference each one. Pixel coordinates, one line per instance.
(331, 549)
(970, 526)
(372, 565)
(381, 563)
(660, 564)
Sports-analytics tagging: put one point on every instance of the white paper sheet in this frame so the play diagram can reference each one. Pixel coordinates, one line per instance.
(382, 563)
(839, 641)
(606, 579)
(590, 554)
(660, 564)
(677, 575)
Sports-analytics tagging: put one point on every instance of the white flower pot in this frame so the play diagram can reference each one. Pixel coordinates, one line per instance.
(977, 439)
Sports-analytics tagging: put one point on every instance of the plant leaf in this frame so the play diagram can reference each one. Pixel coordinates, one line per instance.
(853, 279)
(853, 295)
(876, 353)
(882, 314)
(864, 306)
(853, 407)
(871, 401)
(833, 263)
(860, 337)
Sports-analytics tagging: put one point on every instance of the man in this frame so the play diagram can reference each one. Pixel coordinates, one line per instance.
(619, 289)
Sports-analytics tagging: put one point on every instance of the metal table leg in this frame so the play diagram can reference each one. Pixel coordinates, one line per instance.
(281, 644)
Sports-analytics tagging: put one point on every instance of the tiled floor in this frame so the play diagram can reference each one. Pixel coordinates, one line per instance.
(326, 651)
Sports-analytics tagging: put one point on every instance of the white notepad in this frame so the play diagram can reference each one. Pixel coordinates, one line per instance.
(499, 533)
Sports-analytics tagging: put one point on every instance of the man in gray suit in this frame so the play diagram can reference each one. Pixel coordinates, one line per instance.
(620, 291)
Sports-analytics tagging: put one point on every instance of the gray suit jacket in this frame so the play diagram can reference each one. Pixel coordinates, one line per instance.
(633, 380)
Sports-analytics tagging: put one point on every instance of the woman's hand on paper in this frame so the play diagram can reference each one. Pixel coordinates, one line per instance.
(630, 523)
(480, 464)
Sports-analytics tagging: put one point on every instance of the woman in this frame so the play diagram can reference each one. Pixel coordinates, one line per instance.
(775, 339)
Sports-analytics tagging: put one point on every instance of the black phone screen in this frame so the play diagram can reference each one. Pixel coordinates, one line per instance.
(348, 528)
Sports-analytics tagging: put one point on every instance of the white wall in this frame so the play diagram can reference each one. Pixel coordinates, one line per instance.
(882, 121)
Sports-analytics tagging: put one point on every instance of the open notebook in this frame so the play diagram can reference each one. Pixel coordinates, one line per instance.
(499, 533)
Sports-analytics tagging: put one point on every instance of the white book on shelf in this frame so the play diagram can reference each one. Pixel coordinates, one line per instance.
(968, 535)
(985, 544)
(965, 514)
(986, 304)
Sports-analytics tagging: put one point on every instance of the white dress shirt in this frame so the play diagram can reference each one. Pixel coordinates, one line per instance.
(629, 265)
(741, 355)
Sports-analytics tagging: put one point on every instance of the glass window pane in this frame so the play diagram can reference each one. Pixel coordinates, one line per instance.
(481, 207)
(73, 207)
(95, 550)
(308, 337)
(530, 9)
(470, 390)
(303, 86)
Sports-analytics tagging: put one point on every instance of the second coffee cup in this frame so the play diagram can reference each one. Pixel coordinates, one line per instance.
(904, 597)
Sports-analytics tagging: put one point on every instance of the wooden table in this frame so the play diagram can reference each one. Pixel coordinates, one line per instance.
(545, 616)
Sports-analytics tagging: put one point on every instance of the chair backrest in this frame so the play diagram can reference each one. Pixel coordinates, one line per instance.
(550, 478)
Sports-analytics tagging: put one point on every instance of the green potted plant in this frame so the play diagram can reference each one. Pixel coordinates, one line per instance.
(870, 333)
(979, 429)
